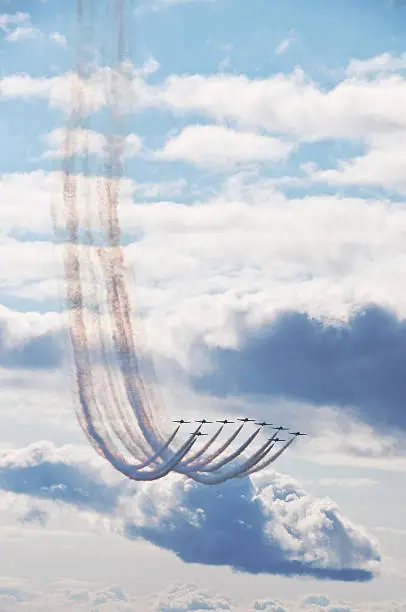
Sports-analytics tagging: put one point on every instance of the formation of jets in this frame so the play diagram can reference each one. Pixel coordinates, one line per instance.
(244, 420)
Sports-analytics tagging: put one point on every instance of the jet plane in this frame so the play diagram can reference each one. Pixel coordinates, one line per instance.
(203, 421)
(263, 424)
(297, 433)
(246, 420)
(280, 428)
(198, 433)
(181, 421)
(276, 440)
(225, 422)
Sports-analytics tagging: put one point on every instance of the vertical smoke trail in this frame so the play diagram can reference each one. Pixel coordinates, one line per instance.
(117, 409)
(113, 278)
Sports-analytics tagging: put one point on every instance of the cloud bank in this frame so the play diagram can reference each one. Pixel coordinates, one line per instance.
(358, 364)
(69, 595)
(267, 526)
(30, 341)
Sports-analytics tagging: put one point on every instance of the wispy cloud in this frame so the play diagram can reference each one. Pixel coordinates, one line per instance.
(386, 62)
(17, 26)
(348, 483)
(391, 530)
(285, 44)
(59, 39)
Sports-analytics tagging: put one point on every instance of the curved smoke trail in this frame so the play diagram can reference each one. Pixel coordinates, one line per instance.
(118, 410)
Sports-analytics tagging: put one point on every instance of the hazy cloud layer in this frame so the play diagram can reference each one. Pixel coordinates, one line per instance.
(272, 527)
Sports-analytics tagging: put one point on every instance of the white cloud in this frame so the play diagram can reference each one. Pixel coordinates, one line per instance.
(218, 146)
(150, 66)
(383, 165)
(74, 595)
(200, 266)
(291, 104)
(60, 90)
(59, 39)
(339, 440)
(386, 62)
(289, 531)
(392, 531)
(13, 19)
(22, 33)
(284, 45)
(288, 103)
(79, 141)
(17, 26)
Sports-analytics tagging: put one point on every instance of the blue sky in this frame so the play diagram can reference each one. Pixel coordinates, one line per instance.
(264, 218)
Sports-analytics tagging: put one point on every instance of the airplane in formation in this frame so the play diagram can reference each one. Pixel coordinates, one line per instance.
(244, 420)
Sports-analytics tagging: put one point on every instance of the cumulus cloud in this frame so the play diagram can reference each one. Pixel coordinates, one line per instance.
(247, 250)
(57, 90)
(17, 26)
(71, 595)
(215, 145)
(29, 341)
(289, 104)
(382, 165)
(359, 364)
(386, 62)
(270, 526)
(66, 595)
(85, 142)
(59, 39)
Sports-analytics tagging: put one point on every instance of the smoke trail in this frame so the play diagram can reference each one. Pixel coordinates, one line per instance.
(118, 410)
(267, 463)
(220, 450)
(234, 455)
(191, 460)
